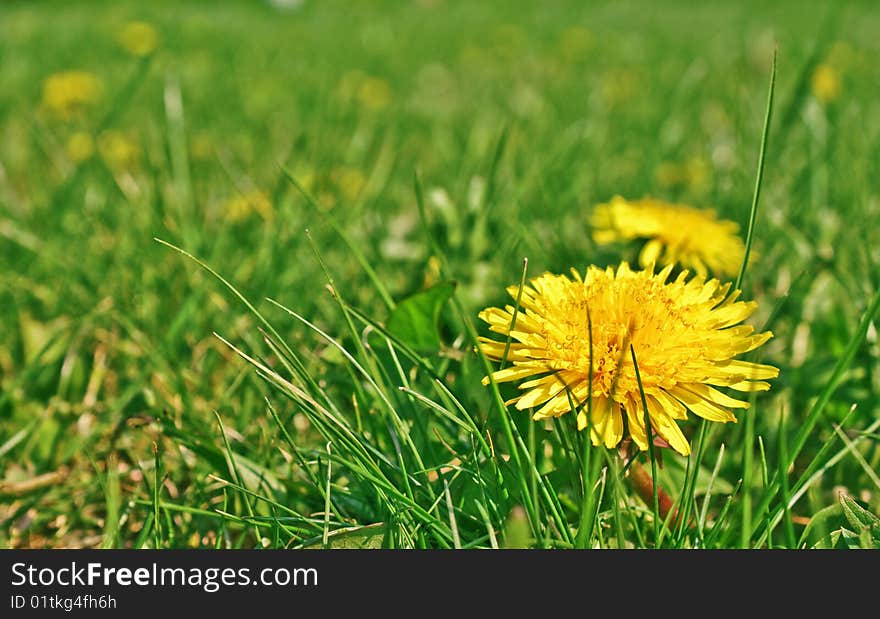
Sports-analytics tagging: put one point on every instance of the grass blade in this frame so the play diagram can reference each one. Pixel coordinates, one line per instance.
(759, 177)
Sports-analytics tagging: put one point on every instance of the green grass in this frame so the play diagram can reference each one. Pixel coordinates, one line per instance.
(275, 380)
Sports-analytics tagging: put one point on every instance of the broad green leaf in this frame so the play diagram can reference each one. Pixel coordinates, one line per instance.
(829, 541)
(866, 524)
(850, 539)
(414, 320)
(858, 516)
(867, 539)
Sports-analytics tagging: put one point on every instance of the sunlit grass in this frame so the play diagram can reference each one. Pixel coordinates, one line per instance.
(303, 372)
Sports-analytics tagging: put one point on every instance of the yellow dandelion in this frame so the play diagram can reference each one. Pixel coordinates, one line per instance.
(80, 146)
(695, 238)
(432, 273)
(69, 93)
(374, 93)
(349, 181)
(685, 335)
(119, 150)
(825, 83)
(139, 38)
(241, 207)
(619, 86)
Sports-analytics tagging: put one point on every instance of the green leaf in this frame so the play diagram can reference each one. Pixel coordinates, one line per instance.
(867, 540)
(866, 524)
(829, 541)
(851, 540)
(414, 320)
(857, 515)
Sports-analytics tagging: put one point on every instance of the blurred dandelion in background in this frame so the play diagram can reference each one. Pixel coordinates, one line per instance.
(244, 206)
(139, 38)
(80, 146)
(119, 150)
(366, 91)
(684, 333)
(619, 86)
(350, 182)
(825, 83)
(374, 93)
(69, 93)
(676, 233)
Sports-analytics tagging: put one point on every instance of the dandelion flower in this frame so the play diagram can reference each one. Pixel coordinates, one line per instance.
(619, 86)
(374, 93)
(119, 151)
(68, 93)
(695, 238)
(80, 146)
(349, 181)
(685, 334)
(139, 38)
(241, 207)
(825, 83)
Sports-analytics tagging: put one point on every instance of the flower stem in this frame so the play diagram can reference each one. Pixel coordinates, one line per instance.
(640, 481)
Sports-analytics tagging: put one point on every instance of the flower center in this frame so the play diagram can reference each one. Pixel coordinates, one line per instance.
(629, 311)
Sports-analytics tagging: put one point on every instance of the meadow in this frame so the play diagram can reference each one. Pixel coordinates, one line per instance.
(244, 248)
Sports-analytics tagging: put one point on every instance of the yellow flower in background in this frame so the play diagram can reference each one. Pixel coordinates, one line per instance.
(349, 181)
(685, 334)
(432, 272)
(119, 150)
(695, 238)
(139, 38)
(619, 86)
(825, 83)
(241, 207)
(374, 93)
(80, 146)
(69, 93)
